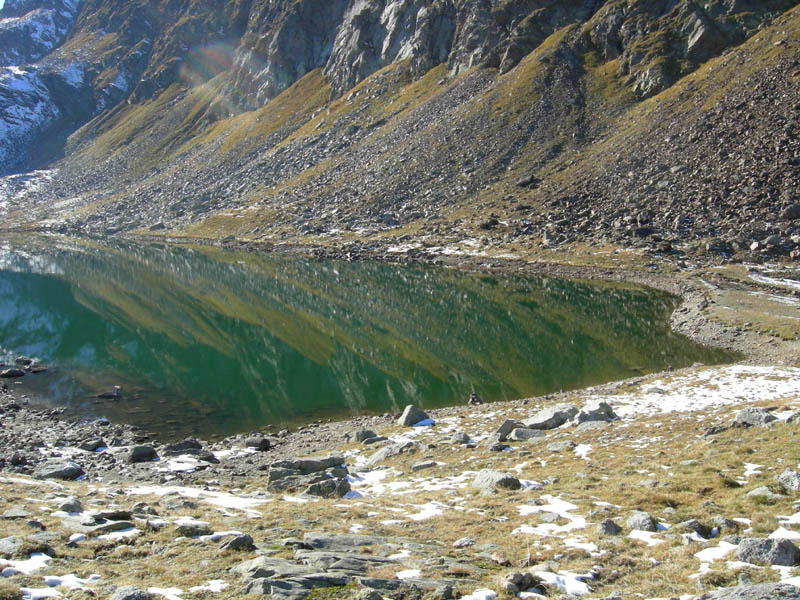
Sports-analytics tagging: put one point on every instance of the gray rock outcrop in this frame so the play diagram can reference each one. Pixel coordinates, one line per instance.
(552, 417)
(763, 551)
(641, 520)
(487, 481)
(752, 417)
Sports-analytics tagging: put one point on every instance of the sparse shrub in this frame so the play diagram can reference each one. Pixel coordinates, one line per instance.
(9, 591)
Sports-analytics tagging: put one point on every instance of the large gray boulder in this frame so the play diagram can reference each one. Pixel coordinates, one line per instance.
(551, 417)
(764, 551)
(487, 481)
(762, 591)
(143, 453)
(411, 416)
(752, 417)
(58, 469)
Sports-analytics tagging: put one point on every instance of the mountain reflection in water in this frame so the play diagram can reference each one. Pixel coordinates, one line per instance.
(212, 342)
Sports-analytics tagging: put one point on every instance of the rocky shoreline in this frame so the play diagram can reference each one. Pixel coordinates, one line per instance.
(357, 460)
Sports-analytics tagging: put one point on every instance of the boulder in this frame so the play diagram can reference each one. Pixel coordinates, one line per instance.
(596, 410)
(790, 480)
(407, 447)
(460, 438)
(552, 417)
(765, 551)
(58, 469)
(608, 527)
(191, 528)
(143, 453)
(132, 593)
(238, 542)
(764, 493)
(364, 434)
(487, 481)
(71, 505)
(752, 416)
(642, 521)
(180, 447)
(791, 212)
(258, 442)
(411, 416)
(329, 488)
(506, 428)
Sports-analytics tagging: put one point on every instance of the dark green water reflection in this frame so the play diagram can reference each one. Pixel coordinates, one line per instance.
(211, 342)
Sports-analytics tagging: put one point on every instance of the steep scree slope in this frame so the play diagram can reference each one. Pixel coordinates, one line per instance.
(522, 122)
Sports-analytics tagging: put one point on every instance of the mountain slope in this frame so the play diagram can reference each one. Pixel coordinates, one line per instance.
(519, 123)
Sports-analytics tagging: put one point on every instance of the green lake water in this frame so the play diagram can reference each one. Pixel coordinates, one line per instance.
(209, 342)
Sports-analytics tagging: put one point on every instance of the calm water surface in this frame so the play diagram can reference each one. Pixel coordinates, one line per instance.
(208, 342)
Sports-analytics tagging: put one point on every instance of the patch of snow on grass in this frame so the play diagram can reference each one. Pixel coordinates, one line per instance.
(70, 581)
(648, 537)
(705, 388)
(570, 583)
(214, 586)
(37, 560)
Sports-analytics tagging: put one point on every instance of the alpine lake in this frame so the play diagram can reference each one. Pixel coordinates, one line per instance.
(208, 342)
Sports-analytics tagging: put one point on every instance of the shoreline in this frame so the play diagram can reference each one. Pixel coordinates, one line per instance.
(688, 318)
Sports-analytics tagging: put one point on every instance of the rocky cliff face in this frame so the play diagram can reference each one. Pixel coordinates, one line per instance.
(398, 108)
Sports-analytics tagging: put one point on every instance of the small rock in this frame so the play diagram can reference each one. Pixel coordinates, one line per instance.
(193, 529)
(330, 488)
(791, 212)
(489, 480)
(642, 521)
(460, 438)
(259, 442)
(132, 593)
(93, 445)
(423, 465)
(764, 493)
(238, 542)
(464, 542)
(608, 527)
(71, 505)
(15, 513)
(58, 469)
(364, 434)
